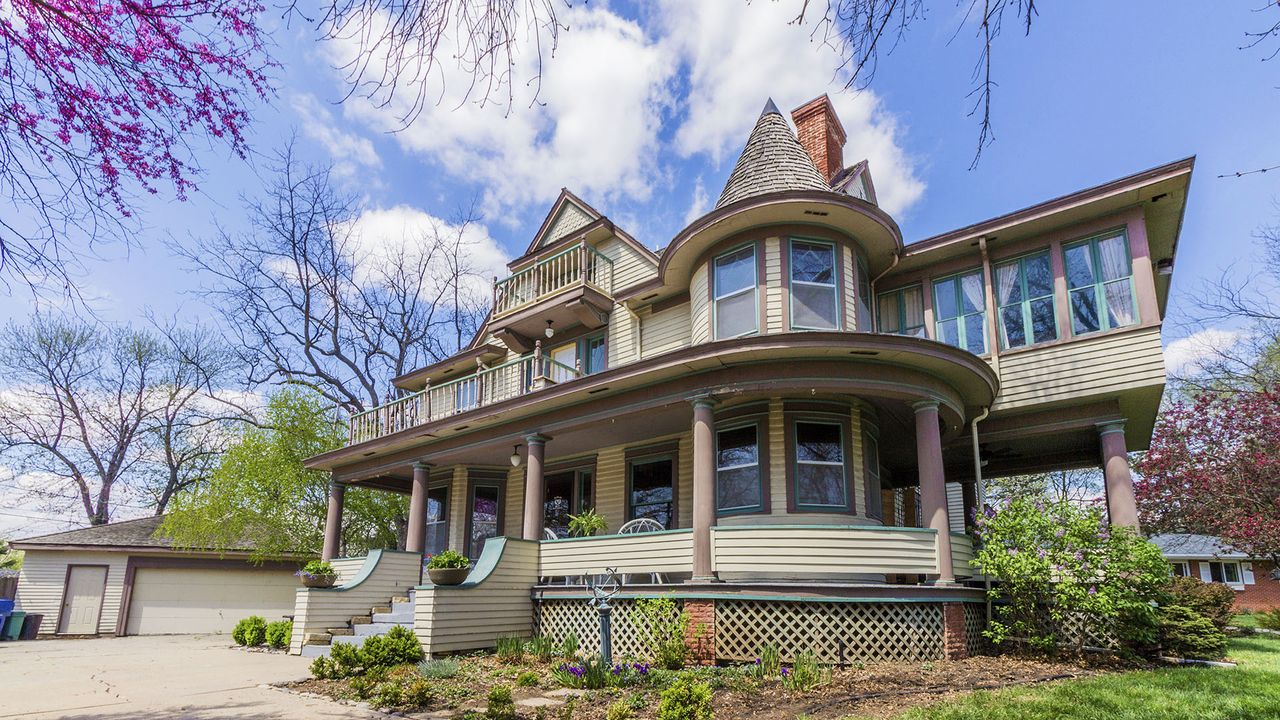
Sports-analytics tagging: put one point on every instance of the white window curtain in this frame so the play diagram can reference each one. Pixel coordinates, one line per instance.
(1006, 282)
(1115, 261)
(913, 310)
(971, 285)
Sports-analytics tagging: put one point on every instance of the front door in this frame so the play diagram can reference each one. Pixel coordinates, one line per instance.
(82, 601)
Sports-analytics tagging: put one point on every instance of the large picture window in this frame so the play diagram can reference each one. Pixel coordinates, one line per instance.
(733, 288)
(960, 312)
(814, 298)
(902, 311)
(1100, 281)
(1024, 292)
(820, 481)
(738, 476)
(652, 490)
(566, 492)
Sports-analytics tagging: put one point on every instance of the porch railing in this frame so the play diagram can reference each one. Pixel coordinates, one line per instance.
(484, 387)
(577, 266)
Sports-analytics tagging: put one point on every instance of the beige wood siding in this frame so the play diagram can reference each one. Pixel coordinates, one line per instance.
(955, 507)
(390, 573)
(623, 341)
(1080, 368)
(777, 459)
(684, 482)
(449, 619)
(664, 331)
(850, 288)
(699, 306)
(816, 552)
(629, 265)
(44, 573)
(611, 485)
(774, 320)
(174, 601)
(961, 554)
(664, 552)
(859, 471)
(513, 511)
(570, 218)
(346, 568)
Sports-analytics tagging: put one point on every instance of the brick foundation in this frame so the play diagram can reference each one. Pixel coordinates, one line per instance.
(954, 643)
(700, 632)
(1263, 594)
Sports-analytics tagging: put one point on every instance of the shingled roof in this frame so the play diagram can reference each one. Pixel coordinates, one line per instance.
(140, 533)
(772, 161)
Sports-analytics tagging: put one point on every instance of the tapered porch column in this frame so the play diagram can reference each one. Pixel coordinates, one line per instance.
(535, 488)
(333, 521)
(1122, 508)
(933, 489)
(704, 488)
(416, 540)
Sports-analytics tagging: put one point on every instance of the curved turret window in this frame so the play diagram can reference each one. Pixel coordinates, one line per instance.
(733, 286)
(814, 298)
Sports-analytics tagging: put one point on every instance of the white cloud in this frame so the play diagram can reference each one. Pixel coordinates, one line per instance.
(753, 53)
(381, 233)
(700, 205)
(1187, 355)
(349, 152)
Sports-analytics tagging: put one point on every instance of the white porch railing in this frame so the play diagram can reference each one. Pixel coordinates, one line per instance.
(668, 551)
(825, 552)
(576, 266)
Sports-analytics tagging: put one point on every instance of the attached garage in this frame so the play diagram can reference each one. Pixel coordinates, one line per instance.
(122, 579)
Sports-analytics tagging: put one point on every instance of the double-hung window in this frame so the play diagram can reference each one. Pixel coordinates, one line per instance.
(864, 295)
(814, 299)
(820, 482)
(960, 312)
(733, 289)
(738, 477)
(594, 358)
(871, 455)
(902, 311)
(1225, 572)
(1024, 293)
(1100, 280)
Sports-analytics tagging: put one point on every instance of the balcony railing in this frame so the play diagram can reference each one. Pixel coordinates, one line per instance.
(484, 387)
(577, 266)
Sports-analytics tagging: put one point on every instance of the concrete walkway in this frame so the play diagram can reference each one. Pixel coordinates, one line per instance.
(153, 678)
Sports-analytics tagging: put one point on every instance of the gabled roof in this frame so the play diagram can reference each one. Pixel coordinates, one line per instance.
(568, 213)
(140, 533)
(772, 161)
(1186, 545)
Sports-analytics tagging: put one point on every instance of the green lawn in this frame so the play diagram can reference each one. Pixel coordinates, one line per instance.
(1248, 692)
(1245, 620)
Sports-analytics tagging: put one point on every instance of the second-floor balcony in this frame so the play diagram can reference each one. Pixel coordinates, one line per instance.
(572, 286)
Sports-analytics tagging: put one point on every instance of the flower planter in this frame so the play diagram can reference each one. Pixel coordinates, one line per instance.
(318, 581)
(448, 576)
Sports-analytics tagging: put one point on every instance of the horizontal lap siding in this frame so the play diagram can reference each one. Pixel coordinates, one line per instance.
(961, 554)
(820, 552)
(664, 331)
(44, 576)
(773, 285)
(699, 307)
(850, 289)
(629, 265)
(623, 341)
(449, 619)
(1081, 368)
(653, 552)
(777, 459)
(315, 611)
(955, 507)
(611, 470)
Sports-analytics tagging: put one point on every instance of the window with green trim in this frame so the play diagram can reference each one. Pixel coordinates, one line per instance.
(1024, 294)
(871, 458)
(864, 295)
(593, 355)
(815, 301)
(820, 468)
(1100, 283)
(960, 312)
(738, 476)
(902, 311)
(733, 290)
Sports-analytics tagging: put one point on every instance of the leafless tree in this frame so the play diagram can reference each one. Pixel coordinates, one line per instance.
(312, 301)
(1080, 486)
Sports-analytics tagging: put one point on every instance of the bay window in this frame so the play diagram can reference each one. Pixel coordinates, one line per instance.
(733, 291)
(902, 312)
(1100, 283)
(1024, 294)
(820, 479)
(739, 480)
(814, 298)
(960, 312)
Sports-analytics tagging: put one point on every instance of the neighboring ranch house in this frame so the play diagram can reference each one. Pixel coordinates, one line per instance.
(1255, 580)
(123, 579)
(795, 403)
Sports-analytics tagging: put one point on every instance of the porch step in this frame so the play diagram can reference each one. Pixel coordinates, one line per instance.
(378, 628)
(380, 609)
(400, 599)
(317, 639)
(315, 651)
(361, 620)
(334, 632)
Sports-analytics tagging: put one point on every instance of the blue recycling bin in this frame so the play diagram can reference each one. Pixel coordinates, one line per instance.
(6, 609)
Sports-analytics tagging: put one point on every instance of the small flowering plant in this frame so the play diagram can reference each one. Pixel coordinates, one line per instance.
(447, 559)
(594, 674)
(317, 573)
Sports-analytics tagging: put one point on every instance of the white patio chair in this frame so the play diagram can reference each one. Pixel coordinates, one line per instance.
(636, 527)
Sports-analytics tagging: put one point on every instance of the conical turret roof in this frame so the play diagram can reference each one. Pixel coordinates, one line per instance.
(773, 160)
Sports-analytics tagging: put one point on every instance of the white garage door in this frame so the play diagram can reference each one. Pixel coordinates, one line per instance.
(184, 600)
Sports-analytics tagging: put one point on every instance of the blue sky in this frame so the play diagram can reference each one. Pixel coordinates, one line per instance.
(645, 111)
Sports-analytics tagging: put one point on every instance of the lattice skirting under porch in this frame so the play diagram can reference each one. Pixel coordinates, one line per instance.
(558, 618)
(975, 622)
(836, 632)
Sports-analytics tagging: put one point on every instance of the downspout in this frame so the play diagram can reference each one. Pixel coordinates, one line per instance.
(871, 301)
(977, 485)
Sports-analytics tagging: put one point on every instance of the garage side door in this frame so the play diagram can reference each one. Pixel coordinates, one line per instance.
(169, 601)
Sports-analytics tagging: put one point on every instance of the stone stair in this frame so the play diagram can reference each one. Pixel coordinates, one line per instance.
(379, 620)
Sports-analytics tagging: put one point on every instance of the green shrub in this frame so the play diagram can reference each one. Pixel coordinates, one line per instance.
(347, 659)
(1269, 619)
(448, 560)
(398, 646)
(318, 567)
(279, 633)
(361, 687)
(251, 631)
(500, 705)
(322, 669)
(528, 678)
(619, 710)
(1188, 634)
(685, 700)
(663, 624)
(438, 669)
(510, 648)
(541, 648)
(1213, 601)
(806, 673)
(418, 693)
(388, 694)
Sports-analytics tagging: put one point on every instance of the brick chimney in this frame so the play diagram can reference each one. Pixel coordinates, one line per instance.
(821, 135)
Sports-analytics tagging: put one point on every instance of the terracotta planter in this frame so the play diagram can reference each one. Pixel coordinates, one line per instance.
(448, 576)
(318, 581)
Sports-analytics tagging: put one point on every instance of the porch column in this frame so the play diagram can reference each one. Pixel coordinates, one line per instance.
(333, 521)
(933, 490)
(416, 539)
(704, 488)
(535, 488)
(1122, 508)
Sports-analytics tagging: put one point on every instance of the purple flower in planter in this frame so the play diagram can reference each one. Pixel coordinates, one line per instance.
(1041, 554)
(1061, 533)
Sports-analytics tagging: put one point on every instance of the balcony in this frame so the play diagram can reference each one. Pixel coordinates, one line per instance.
(575, 285)
(484, 387)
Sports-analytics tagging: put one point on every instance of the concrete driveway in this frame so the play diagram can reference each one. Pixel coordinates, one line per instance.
(155, 678)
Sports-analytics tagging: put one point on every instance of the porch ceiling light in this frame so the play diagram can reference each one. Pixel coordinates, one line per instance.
(515, 456)
(550, 331)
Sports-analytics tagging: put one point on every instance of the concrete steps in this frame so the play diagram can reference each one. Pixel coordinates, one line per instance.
(379, 621)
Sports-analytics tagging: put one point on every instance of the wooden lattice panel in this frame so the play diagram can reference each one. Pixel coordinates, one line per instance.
(836, 632)
(1095, 630)
(556, 619)
(975, 621)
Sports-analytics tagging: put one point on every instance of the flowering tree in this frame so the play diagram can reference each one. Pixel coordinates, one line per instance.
(1214, 468)
(103, 98)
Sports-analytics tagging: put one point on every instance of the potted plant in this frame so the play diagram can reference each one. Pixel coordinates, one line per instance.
(586, 523)
(448, 568)
(317, 574)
